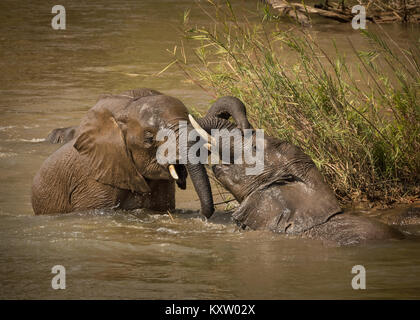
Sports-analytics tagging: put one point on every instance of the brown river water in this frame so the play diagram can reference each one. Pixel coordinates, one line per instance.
(50, 78)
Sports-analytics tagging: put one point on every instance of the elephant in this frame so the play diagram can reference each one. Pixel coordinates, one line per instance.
(110, 161)
(290, 195)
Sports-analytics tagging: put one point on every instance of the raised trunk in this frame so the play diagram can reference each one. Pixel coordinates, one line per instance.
(226, 107)
(210, 122)
(225, 143)
(216, 118)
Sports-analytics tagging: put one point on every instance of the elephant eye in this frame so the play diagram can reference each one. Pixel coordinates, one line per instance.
(148, 139)
(123, 119)
(122, 123)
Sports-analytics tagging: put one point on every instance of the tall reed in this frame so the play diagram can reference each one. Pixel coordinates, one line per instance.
(359, 125)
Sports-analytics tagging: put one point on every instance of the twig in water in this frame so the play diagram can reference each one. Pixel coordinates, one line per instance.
(170, 216)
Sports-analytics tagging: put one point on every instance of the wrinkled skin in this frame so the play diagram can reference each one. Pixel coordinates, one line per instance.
(290, 196)
(110, 159)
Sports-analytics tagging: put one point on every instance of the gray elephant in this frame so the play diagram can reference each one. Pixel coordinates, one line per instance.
(290, 195)
(110, 159)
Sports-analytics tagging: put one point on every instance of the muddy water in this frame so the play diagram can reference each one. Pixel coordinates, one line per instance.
(49, 79)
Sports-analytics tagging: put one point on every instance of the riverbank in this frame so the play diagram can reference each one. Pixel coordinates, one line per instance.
(358, 121)
(394, 11)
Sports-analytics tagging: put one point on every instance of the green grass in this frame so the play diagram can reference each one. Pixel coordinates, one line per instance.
(360, 124)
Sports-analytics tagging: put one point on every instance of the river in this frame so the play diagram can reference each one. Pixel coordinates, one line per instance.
(50, 78)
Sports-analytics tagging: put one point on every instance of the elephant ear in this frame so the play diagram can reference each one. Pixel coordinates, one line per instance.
(102, 143)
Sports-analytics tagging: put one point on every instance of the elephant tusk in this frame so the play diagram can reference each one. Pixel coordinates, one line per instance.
(172, 171)
(202, 132)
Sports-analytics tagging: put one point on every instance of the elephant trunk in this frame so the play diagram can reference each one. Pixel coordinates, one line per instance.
(204, 127)
(200, 180)
(209, 122)
(228, 106)
(216, 118)
(201, 184)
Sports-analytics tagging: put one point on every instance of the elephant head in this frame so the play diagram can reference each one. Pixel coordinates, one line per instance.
(289, 195)
(120, 144)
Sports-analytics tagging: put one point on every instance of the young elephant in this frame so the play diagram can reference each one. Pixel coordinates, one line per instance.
(110, 161)
(299, 203)
(289, 196)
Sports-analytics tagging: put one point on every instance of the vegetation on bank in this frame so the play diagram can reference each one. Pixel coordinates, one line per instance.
(360, 124)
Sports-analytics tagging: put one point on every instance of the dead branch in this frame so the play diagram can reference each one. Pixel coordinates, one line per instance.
(402, 11)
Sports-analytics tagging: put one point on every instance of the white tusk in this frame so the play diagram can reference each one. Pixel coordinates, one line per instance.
(201, 131)
(172, 171)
